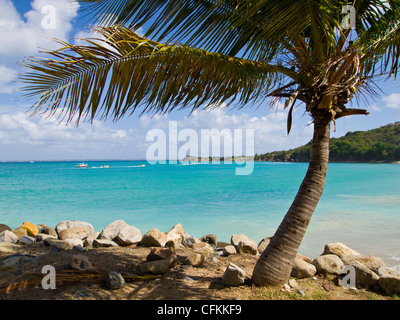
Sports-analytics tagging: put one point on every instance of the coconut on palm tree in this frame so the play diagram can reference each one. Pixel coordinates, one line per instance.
(200, 53)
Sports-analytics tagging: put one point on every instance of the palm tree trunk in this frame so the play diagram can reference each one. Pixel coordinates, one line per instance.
(275, 264)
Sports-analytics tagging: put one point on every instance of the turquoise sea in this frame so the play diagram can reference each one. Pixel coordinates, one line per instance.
(360, 205)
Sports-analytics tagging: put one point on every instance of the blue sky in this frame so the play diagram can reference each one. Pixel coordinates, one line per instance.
(23, 31)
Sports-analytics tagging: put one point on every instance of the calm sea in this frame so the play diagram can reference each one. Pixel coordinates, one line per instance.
(360, 206)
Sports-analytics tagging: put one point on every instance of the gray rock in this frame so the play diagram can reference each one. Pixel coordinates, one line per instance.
(228, 250)
(371, 262)
(176, 234)
(110, 232)
(11, 261)
(88, 242)
(246, 241)
(389, 281)
(75, 232)
(114, 280)
(365, 278)
(47, 230)
(27, 240)
(328, 264)
(71, 224)
(202, 247)
(339, 249)
(302, 269)
(154, 238)
(43, 236)
(210, 239)
(103, 243)
(247, 246)
(233, 275)
(263, 244)
(58, 244)
(8, 236)
(190, 241)
(75, 242)
(195, 260)
(154, 267)
(81, 262)
(129, 235)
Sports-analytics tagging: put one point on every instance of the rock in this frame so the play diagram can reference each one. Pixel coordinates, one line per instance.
(159, 253)
(263, 244)
(154, 238)
(75, 232)
(371, 262)
(27, 240)
(339, 249)
(44, 236)
(328, 264)
(75, 242)
(189, 241)
(88, 242)
(110, 232)
(129, 235)
(11, 261)
(4, 227)
(176, 234)
(247, 246)
(47, 230)
(19, 232)
(389, 281)
(8, 236)
(233, 275)
(195, 260)
(30, 228)
(210, 239)
(154, 267)
(114, 280)
(237, 238)
(103, 243)
(71, 224)
(202, 247)
(81, 262)
(7, 247)
(302, 269)
(228, 250)
(306, 259)
(58, 244)
(365, 278)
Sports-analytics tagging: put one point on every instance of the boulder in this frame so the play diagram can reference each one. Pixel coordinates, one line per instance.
(44, 236)
(58, 244)
(19, 232)
(30, 228)
(159, 253)
(339, 249)
(81, 262)
(389, 281)
(176, 234)
(233, 275)
(210, 239)
(4, 227)
(195, 259)
(328, 264)
(71, 224)
(263, 244)
(74, 242)
(8, 236)
(88, 242)
(114, 280)
(47, 230)
(104, 243)
(303, 269)
(371, 262)
(247, 246)
(110, 232)
(189, 241)
(27, 240)
(154, 267)
(7, 247)
(202, 247)
(237, 238)
(75, 232)
(154, 238)
(365, 278)
(228, 250)
(129, 235)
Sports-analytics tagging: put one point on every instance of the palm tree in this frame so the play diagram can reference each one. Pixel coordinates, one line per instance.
(199, 53)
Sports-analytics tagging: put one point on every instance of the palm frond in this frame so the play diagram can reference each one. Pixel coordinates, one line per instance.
(130, 71)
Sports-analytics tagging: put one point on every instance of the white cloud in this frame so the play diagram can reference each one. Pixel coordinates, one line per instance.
(392, 100)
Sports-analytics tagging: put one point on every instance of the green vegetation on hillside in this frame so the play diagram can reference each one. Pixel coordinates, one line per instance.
(377, 145)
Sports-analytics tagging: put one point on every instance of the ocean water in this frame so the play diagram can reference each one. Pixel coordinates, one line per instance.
(359, 207)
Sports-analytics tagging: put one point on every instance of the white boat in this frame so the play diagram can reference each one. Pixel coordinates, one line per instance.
(81, 165)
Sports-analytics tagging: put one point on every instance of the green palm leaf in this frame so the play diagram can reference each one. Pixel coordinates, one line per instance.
(130, 71)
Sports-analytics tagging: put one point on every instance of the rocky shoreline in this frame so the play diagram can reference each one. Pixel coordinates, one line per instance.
(166, 250)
